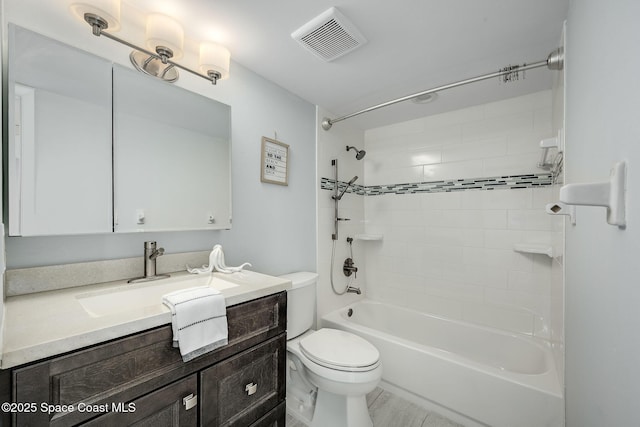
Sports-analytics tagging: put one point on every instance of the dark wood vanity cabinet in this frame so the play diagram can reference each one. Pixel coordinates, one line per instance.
(141, 380)
(163, 407)
(238, 391)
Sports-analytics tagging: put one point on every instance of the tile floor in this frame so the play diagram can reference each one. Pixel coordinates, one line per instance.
(389, 410)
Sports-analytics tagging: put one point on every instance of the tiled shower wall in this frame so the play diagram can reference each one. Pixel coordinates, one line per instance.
(332, 145)
(451, 253)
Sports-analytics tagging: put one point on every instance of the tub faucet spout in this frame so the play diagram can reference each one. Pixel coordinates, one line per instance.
(353, 290)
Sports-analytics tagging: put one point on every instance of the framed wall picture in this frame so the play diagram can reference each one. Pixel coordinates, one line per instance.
(274, 162)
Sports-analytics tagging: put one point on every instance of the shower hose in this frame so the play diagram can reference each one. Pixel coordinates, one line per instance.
(333, 253)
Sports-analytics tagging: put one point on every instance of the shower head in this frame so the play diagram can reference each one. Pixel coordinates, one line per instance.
(352, 180)
(359, 153)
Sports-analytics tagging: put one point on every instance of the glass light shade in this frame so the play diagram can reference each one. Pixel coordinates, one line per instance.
(164, 31)
(109, 10)
(214, 57)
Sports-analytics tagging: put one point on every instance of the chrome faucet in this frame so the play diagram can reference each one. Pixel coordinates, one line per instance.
(151, 253)
(353, 290)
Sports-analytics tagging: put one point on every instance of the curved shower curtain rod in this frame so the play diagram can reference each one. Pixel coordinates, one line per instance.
(555, 61)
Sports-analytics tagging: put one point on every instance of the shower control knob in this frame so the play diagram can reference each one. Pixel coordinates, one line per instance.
(349, 267)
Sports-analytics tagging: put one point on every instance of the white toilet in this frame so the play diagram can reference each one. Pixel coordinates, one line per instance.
(329, 372)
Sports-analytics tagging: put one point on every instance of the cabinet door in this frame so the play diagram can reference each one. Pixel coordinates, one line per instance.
(275, 418)
(60, 152)
(171, 157)
(240, 390)
(167, 407)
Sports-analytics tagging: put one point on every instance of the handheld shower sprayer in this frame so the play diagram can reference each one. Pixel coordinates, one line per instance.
(349, 184)
(359, 153)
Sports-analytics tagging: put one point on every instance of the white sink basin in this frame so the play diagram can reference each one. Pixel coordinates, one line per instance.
(141, 296)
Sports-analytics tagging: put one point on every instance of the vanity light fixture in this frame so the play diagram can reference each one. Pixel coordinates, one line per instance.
(107, 10)
(164, 41)
(166, 37)
(214, 59)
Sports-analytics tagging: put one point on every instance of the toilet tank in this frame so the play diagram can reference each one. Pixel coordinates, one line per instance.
(301, 302)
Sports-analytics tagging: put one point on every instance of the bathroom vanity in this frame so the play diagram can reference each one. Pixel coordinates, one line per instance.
(77, 352)
(140, 378)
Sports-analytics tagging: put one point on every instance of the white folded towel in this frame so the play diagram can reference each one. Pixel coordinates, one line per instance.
(198, 320)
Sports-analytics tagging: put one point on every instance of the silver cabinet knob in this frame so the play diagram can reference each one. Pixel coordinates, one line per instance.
(251, 388)
(190, 401)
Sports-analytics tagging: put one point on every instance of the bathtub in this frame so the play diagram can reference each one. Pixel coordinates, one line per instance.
(488, 376)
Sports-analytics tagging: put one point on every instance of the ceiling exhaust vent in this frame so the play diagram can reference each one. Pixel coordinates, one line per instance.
(329, 35)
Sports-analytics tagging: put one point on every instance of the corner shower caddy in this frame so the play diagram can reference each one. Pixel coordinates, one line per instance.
(534, 248)
(369, 237)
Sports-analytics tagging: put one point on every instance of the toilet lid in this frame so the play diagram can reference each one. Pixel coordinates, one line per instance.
(339, 349)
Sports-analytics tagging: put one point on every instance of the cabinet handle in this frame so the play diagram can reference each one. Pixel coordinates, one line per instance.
(251, 388)
(190, 401)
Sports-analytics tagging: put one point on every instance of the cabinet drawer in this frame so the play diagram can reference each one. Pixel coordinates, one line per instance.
(238, 391)
(123, 369)
(161, 408)
(275, 418)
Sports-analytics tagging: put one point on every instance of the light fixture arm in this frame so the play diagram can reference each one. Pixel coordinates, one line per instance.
(99, 25)
(164, 53)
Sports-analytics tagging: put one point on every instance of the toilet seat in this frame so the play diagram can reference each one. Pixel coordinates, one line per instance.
(340, 350)
(365, 375)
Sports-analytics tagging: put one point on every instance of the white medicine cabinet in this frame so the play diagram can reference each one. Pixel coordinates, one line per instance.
(98, 148)
(59, 157)
(171, 156)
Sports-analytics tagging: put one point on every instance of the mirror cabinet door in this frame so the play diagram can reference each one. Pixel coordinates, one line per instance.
(171, 157)
(59, 151)
(97, 148)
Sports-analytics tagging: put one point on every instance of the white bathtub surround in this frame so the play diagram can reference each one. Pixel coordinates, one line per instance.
(507, 182)
(500, 138)
(491, 377)
(451, 253)
(558, 229)
(332, 145)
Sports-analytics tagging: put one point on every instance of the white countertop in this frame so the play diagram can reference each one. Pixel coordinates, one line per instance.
(48, 323)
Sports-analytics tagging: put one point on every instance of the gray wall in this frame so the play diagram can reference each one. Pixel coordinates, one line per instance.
(2, 252)
(602, 268)
(273, 226)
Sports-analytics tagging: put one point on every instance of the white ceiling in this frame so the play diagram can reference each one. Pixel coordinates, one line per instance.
(413, 45)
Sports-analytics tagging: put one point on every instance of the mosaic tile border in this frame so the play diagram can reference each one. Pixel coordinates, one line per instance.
(492, 183)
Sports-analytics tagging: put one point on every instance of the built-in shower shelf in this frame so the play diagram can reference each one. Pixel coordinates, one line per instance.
(534, 248)
(368, 236)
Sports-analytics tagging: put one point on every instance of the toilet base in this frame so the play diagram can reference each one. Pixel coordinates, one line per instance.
(340, 411)
(300, 403)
